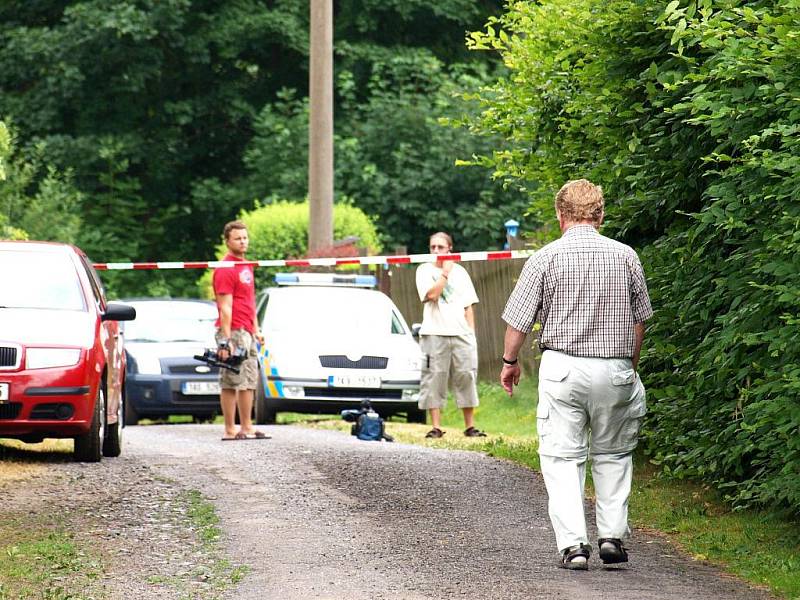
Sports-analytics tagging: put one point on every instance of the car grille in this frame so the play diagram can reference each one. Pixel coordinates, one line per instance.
(187, 369)
(9, 356)
(336, 392)
(339, 361)
(10, 411)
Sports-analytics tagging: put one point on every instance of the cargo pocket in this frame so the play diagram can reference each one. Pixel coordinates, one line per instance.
(621, 388)
(426, 362)
(554, 371)
(625, 377)
(637, 409)
(543, 425)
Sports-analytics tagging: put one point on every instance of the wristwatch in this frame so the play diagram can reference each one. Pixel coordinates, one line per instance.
(222, 343)
(510, 362)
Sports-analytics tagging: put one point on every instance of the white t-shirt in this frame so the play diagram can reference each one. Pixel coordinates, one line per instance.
(446, 315)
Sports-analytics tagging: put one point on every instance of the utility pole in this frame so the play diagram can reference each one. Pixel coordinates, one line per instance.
(320, 131)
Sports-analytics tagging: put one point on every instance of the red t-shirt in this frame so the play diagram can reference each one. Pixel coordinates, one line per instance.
(239, 282)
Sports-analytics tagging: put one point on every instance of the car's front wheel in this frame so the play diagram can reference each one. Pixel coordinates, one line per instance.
(88, 445)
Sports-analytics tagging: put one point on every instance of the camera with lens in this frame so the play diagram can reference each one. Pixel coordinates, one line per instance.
(235, 358)
(351, 414)
(367, 424)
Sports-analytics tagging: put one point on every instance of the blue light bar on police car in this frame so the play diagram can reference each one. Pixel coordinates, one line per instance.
(326, 279)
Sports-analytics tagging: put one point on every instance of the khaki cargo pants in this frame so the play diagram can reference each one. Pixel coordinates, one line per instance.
(448, 360)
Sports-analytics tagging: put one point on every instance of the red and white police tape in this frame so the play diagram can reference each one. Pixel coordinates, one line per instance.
(320, 262)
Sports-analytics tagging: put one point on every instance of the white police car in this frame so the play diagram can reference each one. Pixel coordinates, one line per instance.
(331, 342)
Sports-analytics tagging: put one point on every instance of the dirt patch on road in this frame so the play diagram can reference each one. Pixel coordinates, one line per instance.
(111, 530)
(20, 461)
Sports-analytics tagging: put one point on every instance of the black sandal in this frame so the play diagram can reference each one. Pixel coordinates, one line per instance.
(570, 554)
(473, 432)
(614, 552)
(434, 433)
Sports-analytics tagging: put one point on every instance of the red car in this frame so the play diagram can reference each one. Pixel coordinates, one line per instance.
(62, 364)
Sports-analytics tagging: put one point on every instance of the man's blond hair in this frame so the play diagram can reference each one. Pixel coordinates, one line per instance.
(580, 200)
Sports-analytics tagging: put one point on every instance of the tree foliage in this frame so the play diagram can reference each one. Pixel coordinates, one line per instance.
(687, 113)
(395, 153)
(36, 201)
(153, 106)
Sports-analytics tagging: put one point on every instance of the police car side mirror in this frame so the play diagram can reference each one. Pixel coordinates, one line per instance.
(415, 330)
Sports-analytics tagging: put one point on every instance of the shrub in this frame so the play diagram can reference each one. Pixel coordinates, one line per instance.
(687, 114)
(280, 230)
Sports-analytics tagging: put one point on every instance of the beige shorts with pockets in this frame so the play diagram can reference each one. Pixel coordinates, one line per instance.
(453, 360)
(247, 378)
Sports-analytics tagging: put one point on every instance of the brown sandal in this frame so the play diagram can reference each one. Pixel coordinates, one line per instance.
(434, 433)
(570, 558)
(473, 432)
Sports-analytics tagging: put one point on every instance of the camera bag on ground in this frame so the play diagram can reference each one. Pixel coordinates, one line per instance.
(367, 424)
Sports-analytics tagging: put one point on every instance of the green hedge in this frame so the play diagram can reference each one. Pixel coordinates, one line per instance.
(280, 230)
(688, 114)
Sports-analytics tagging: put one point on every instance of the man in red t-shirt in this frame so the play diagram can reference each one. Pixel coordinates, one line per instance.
(237, 327)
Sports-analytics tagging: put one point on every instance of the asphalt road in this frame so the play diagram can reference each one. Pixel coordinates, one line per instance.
(319, 514)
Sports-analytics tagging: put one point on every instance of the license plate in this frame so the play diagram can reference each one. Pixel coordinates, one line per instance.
(200, 388)
(354, 381)
(3, 393)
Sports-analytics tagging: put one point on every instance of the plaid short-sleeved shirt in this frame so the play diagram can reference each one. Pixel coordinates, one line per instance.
(586, 290)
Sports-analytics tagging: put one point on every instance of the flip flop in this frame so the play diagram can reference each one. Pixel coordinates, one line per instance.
(238, 436)
(258, 435)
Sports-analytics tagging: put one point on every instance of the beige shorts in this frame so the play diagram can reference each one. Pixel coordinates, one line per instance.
(448, 360)
(247, 378)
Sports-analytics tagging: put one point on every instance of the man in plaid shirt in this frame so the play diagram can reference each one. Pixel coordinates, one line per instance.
(589, 294)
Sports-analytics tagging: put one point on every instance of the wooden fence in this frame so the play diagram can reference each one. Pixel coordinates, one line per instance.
(493, 282)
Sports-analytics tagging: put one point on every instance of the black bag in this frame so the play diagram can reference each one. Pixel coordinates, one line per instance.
(369, 427)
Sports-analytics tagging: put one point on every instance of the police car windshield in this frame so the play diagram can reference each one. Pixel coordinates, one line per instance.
(39, 280)
(321, 309)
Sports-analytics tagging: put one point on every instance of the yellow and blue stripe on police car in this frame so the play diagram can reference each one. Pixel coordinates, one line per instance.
(274, 389)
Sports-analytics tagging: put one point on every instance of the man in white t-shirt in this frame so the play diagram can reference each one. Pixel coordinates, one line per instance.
(447, 337)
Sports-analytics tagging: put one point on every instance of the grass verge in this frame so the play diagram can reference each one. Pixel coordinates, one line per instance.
(204, 519)
(758, 546)
(40, 559)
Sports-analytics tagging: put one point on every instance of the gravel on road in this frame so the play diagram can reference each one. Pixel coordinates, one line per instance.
(320, 514)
